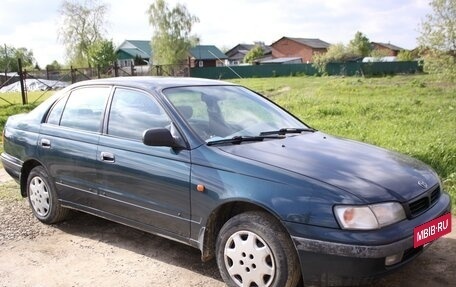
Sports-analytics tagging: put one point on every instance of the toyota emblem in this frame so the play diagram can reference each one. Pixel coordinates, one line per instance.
(422, 184)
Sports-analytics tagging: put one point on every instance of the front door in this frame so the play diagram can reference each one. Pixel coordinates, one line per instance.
(142, 185)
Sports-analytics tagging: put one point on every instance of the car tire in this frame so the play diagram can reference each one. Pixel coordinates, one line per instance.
(253, 249)
(43, 198)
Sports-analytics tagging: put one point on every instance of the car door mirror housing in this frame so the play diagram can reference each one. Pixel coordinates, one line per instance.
(160, 137)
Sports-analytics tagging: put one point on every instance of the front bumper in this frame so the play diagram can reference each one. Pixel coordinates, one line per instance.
(346, 257)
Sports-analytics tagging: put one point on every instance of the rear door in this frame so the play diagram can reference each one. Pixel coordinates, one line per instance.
(143, 185)
(68, 143)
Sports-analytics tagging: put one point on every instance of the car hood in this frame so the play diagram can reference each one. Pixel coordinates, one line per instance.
(371, 173)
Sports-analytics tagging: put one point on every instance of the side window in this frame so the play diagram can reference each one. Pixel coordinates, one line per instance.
(56, 112)
(133, 112)
(84, 108)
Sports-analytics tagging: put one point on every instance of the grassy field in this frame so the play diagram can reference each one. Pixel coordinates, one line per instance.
(11, 103)
(415, 115)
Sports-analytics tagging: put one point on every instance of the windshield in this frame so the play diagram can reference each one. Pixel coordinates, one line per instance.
(223, 112)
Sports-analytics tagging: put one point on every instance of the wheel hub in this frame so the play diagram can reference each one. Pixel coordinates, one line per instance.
(249, 260)
(39, 196)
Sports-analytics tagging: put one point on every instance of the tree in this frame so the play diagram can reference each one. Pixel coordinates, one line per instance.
(254, 54)
(101, 54)
(336, 53)
(9, 56)
(438, 39)
(378, 54)
(406, 55)
(360, 45)
(82, 25)
(171, 39)
(54, 66)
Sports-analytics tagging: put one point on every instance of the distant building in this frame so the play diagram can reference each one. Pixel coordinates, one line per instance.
(206, 56)
(137, 52)
(237, 53)
(286, 60)
(380, 59)
(389, 49)
(304, 48)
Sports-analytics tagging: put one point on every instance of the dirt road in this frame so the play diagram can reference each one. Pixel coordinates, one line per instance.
(88, 251)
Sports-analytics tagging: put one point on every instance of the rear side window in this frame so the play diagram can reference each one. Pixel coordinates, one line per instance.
(84, 108)
(56, 112)
(133, 112)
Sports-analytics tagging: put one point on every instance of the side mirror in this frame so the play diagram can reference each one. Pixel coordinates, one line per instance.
(160, 137)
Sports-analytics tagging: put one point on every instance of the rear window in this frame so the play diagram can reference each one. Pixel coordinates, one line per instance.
(84, 109)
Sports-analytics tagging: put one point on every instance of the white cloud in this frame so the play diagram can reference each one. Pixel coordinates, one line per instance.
(33, 24)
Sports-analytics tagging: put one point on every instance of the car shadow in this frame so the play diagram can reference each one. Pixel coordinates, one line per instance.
(434, 267)
(146, 244)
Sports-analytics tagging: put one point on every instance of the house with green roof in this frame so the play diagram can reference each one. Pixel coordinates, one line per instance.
(136, 52)
(139, 52)
(206, 56)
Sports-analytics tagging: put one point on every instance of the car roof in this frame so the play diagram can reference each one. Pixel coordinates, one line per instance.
(149, 82)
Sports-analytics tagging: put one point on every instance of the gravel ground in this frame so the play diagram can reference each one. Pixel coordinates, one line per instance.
(89, 251)
(17, 221)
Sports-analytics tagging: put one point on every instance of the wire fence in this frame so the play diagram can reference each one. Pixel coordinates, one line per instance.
(52, 79)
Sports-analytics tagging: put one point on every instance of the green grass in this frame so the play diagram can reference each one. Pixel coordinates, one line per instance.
(11, 103)
(415, 115)
(6, 99)
(9, 191)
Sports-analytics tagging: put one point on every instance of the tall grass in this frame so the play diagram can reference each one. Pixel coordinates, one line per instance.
(11, 103)
(415, 115)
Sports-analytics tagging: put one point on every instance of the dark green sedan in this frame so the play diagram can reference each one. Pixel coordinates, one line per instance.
(221, 168)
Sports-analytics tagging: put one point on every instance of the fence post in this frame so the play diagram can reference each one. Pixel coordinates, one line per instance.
(98, 72)
(22, 81)
(116, 69)
(73, 76)
(132, 67)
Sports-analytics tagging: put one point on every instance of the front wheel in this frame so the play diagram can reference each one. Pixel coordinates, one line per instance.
(254, 250)
(43, 198)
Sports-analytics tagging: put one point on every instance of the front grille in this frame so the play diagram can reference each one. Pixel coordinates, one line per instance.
(435, 195)
(424, 202)
(411, 252)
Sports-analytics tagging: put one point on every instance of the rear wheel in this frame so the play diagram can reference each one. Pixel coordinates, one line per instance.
(253, 249)
(43, 198)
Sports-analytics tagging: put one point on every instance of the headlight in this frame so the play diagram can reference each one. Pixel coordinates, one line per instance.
(367, 217)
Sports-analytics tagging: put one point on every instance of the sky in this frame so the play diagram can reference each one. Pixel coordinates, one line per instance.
(224, 23)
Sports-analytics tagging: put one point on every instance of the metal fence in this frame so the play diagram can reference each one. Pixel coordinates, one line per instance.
(50, 79)
(74, 75)
(332, 69)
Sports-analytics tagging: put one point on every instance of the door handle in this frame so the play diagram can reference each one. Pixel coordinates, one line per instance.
(107, 156)
(45, 143)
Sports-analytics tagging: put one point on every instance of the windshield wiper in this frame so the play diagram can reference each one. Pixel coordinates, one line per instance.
(240, 139)
(287, 131)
